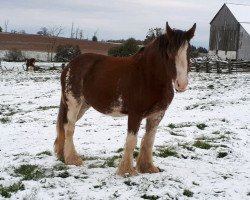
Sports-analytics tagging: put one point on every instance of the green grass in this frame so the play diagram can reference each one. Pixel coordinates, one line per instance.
(166, 152)
(6, 191)
(151, 197)
(60, 167)
(63, 174)
(30, 172)
(188, 193)
(5, 120)
(210, 87)
(47, 153)
(222, 154)
(172, 126)
(130, 183)
(120, 150)
(111, 162)
(202, 144)
(46, 107)
(201, 126)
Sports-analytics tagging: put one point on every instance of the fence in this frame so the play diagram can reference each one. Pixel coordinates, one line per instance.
(218, 66)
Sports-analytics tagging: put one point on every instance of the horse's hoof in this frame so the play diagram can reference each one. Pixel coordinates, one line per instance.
(148, 169)
(74, 160)
(127, 173)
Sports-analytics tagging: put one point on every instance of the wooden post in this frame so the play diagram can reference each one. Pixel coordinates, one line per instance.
(229, 67)
(207, 66)
(218, 67)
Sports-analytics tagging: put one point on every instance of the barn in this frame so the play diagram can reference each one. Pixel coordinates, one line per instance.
(230, 32)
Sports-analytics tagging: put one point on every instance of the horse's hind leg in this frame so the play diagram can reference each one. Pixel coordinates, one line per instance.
(61, 120)
(76, 108)
(145, 159)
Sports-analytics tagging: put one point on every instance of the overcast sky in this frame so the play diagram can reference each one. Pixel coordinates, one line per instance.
(112, 19)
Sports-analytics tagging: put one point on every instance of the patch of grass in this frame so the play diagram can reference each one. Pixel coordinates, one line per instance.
(47, 153)
(30, 172)
(89, 158)
(194, 183)
(202, 144)
(222, 154)
(64, 174)
(151, 197)
(46, 107)
(5, 120)
(201, 126)
(172, 126)
(188, 193)
(187, 146)
(130, 183)
(6, 191)
(111, 162)
(166, 152)
(211, 86)
(60, 167)
(92, 166)
(120, 150)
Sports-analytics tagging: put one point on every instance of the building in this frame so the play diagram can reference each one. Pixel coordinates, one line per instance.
(230, 32)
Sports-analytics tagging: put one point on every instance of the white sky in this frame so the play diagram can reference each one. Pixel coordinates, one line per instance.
(112, 19)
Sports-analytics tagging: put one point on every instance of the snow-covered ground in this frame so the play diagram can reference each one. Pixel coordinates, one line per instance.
(207, 129)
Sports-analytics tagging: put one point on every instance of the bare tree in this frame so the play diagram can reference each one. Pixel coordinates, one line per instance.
(54, 33)
(72, 29)
(43, 31)
(81, 34)
(6, 23)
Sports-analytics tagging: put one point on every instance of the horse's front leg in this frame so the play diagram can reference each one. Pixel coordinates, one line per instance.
(126, 165)
(145, 159)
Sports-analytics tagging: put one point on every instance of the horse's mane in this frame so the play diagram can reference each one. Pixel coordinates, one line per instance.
(165, 45)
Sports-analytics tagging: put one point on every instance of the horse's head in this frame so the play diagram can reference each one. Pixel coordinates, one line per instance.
(178, 50)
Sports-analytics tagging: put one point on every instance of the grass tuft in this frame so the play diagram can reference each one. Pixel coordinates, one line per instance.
(172, 126)
(5, 120)
(6, 191)
(222, 154)
(48, 153)
(188, 193)
(201, 126)
(166, 152)
(111, 162)
(202, 145)
(30, 172)
(151, 197)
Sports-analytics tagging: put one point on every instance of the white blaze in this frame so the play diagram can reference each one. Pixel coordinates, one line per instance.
(181, 64)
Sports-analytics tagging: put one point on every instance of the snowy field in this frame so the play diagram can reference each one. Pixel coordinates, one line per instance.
(202, 144)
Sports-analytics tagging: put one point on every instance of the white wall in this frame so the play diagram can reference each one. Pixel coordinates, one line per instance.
(223, 54)
(41, 56)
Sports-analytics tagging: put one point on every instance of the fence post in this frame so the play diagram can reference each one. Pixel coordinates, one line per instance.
(229, 67)
(207, 66)
(197, 68)
(218, 67)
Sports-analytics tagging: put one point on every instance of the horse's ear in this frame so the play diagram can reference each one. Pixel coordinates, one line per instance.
(169, 31)
(190, 32)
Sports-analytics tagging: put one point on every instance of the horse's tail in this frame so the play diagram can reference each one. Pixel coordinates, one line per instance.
(61, 120)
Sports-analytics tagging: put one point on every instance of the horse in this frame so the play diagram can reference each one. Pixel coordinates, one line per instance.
(30, 64)
(139, 86)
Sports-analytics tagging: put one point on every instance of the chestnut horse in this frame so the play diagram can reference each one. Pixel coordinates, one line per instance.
(140, 86)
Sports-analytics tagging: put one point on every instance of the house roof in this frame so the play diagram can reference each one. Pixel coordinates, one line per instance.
(241, 12)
